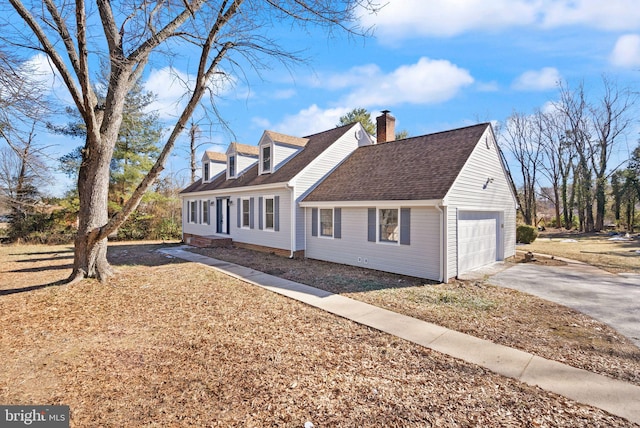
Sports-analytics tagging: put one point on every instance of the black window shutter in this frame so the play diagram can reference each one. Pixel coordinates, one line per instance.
(371, 225)
(405, 226)
(260, 213)
(314, 222)
(251, 211)
(337, 223)
(239, 211)
(276, 213)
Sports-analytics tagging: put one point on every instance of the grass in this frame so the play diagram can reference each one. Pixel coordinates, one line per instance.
(168, 343)
(596, 249)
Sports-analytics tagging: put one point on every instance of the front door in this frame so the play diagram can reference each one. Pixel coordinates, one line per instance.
(222, 215)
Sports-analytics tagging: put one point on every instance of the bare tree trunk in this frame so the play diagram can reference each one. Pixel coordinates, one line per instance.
(90, 256)
(192, 150)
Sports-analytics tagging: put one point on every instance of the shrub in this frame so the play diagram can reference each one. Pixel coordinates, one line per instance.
(526, 234)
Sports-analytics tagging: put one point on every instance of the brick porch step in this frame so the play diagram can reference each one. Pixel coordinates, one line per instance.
(208, 241)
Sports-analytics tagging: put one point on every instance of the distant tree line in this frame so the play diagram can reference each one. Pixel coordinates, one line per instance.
(570, 155)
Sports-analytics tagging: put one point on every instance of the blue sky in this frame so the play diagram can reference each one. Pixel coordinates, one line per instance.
(436, 64)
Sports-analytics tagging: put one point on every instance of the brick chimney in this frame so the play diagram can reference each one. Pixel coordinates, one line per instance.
(386, 127)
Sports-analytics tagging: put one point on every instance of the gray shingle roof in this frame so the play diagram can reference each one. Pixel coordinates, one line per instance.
(315, 146)
(418, 168)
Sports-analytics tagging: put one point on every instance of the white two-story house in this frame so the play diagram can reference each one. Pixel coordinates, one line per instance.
(432, 206)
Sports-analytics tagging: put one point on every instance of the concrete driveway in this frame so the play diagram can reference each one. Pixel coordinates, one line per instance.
(612, 299)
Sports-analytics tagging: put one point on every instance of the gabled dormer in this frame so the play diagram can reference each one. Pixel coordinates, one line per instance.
(239, 158)
(276, 149)
(213, 163)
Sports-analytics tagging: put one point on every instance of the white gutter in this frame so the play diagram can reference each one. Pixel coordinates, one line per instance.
(381, 204)
(441, 239)
(293, 219)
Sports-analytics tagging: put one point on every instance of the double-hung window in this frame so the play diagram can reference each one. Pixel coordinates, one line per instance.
(326, 222)
(205, 212)
(193, 211)
(389, 230)
(269, 213)
(205, 172)
(246, 213)
(232, 166)
(266, 159)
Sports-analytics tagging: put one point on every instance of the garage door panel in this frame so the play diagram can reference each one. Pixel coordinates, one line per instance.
(477, 239)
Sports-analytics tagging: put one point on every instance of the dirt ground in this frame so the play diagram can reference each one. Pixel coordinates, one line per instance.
(169, 343)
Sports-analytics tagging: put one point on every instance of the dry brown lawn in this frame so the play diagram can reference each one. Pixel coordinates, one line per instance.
(597, 249)
(168, 343)
(502, 315)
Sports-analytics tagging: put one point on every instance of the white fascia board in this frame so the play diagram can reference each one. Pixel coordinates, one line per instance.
(231, 190)
(382, 204)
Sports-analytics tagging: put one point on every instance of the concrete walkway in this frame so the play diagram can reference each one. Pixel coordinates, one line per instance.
(614, 396)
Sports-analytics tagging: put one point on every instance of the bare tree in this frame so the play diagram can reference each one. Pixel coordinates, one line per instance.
(224, 34)
(23, 173)
(611, 120)
(574, 107)
(557, 161)
(523, 140)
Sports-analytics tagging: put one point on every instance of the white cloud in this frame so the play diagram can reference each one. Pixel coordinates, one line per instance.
(170, 86)
(42, 71)
(425, 82)
(538, 80)
(416, 18)
(626, 52)
(310, 120)
(620, 15)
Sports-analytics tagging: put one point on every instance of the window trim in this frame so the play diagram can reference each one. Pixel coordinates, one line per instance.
(273, 213)
(379, 239)
(232, 161)
(206, 175)
(206, 212)
(261, 160)
(333, 218)
(193, 211)
(242, 213)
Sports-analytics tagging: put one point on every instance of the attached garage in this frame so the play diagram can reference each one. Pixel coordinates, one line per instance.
(479, 239)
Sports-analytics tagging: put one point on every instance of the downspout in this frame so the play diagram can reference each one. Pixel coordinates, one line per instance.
(441, 239)
(293, 220)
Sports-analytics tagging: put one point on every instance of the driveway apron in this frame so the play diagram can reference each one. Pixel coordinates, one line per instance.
(612, 299)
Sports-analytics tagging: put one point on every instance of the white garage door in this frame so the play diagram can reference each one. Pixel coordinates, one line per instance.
(477, 239)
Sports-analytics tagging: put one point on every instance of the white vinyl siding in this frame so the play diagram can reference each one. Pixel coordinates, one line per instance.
(281, 154)
(199, 225)
(313, 174)
(281, 238)
(469, 193)
(421, 258)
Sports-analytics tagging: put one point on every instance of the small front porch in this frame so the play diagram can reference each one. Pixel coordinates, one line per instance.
(208, 241)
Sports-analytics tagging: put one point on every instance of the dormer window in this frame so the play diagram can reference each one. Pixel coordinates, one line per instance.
(232, 166)
(266, 159)
(205, 171)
